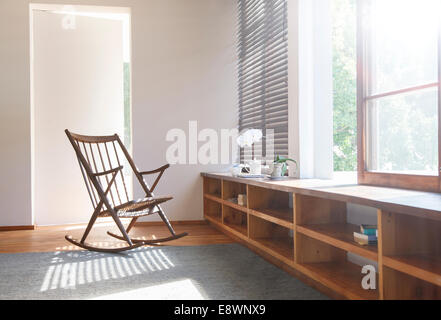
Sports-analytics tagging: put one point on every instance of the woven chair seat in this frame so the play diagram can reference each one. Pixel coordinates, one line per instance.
(138, 208)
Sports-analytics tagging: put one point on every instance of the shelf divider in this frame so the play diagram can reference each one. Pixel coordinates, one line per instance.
(340, 236)
(342, 277)
(283, 216)
(422, 266)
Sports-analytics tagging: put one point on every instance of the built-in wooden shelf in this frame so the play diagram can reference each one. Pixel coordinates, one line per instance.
(423, 266)
(235, 206)
(402, 286)
(213, 209)
(302, 225)
(213, 197)
(274, 238)
(412, 245)
(341, 236)
(282, 247)
(213, 220)
(342, 277)
(238, 228)
(236, 220)
(213, 187)
(223, 226)
(280, 216)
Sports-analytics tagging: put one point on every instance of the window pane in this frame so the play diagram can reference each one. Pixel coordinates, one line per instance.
(345, 84)
(403, 44)
(403, 133)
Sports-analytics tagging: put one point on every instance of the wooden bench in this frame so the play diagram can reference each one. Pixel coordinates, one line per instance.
(301, 226)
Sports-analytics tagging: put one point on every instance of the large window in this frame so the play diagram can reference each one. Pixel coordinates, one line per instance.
(263, 71)
(399, 93)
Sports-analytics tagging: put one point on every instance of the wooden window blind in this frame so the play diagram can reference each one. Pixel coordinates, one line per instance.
(263, 71)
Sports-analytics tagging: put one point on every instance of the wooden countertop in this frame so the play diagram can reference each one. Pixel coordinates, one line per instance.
(416, 203)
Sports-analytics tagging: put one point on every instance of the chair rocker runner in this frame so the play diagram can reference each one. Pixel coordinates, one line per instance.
(101, 168)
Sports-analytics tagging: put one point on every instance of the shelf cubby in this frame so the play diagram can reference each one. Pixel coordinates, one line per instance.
(273, 237)
(326, 220)
(401, 286)
(213, 210)
(312, 210)
(271, 205)
(213, 187)
(231, 191)
(341, 236)
(329, 265)
(236, 220)
(412, 245)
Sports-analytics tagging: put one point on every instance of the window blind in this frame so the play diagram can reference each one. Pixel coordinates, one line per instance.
(263, 72)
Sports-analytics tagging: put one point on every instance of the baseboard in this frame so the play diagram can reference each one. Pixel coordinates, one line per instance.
(174, 223)
(140, 223)
(16, 228)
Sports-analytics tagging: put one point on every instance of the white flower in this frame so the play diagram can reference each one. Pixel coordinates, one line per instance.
(249, 137)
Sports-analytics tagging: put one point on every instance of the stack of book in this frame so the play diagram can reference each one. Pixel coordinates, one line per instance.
(368, 235)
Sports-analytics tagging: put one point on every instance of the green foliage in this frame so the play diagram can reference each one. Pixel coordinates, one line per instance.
(345, 85)
(280, 159)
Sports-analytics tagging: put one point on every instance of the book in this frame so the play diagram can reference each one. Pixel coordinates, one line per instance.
(364, 239)
(369, 230)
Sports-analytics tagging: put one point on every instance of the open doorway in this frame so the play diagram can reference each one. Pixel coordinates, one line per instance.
(80, 71)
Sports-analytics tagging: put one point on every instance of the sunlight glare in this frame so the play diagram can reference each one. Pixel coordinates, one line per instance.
(176, 290)
(418, 20)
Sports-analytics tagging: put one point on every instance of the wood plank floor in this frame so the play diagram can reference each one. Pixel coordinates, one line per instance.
(48, 239)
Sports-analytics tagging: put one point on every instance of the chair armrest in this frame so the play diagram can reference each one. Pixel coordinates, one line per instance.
(162, 169)
(100, 174)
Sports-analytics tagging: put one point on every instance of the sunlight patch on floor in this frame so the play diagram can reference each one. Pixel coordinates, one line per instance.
(100, 267)
(176, 290)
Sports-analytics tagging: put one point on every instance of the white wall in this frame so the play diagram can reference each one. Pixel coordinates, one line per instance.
(310, 88)
(191, 67)
(184, 62)
(15, 142)
(78, 85)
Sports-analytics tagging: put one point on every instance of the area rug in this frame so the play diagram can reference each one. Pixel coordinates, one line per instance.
(227, 271)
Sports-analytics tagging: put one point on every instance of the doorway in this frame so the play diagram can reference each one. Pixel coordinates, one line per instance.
(80, 71)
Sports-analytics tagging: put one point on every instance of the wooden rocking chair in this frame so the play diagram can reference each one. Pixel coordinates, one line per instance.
(103, 175)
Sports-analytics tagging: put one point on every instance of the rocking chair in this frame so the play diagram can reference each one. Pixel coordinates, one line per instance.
(103, 175)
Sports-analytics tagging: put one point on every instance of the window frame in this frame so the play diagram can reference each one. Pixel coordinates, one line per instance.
(406, 181)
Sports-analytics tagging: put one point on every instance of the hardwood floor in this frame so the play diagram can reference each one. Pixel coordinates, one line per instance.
(48, 239)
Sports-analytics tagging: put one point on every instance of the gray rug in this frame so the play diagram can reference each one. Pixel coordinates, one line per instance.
(191, 273)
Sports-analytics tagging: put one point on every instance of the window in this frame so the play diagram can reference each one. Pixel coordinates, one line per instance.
(399, 93)
(344, 65)
(263, 71)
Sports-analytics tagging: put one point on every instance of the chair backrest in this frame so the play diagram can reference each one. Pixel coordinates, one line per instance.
(97, 155)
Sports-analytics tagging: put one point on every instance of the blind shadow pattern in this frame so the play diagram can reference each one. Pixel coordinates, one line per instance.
(263, 72)
(102, 267)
